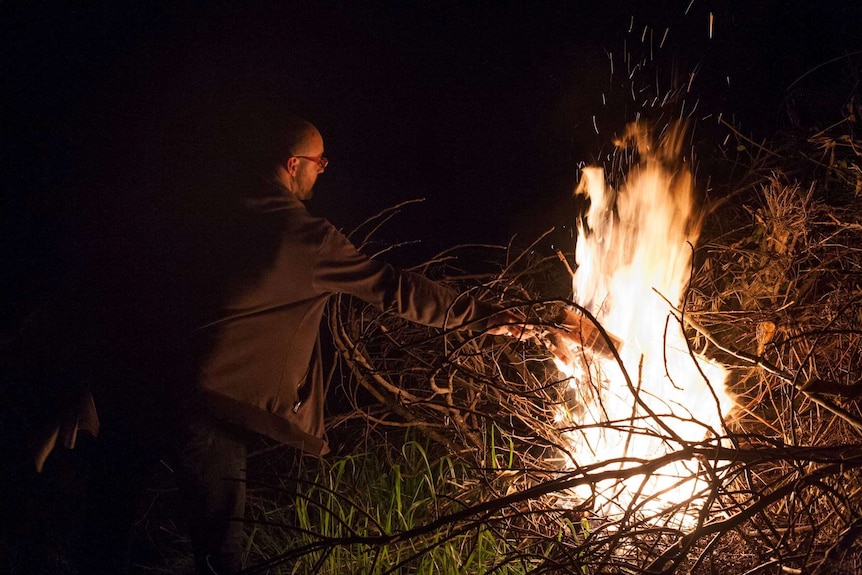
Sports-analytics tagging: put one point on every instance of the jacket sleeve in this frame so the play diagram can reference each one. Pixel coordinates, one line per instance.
(340, 268)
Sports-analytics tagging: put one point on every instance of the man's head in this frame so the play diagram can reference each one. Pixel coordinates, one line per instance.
(304, 162)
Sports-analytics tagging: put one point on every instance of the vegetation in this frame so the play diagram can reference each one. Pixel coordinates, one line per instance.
(451, 459)
(775, 296)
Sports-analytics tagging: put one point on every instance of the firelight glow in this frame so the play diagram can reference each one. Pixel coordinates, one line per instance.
(634, 261)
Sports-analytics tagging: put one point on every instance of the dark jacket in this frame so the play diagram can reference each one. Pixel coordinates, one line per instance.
(258, 353)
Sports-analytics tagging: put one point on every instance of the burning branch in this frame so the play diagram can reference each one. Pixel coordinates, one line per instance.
(550, 466)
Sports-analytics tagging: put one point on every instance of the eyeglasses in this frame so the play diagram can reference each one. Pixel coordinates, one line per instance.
(320, 161)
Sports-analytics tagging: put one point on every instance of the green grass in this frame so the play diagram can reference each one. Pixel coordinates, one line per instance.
(367, 514)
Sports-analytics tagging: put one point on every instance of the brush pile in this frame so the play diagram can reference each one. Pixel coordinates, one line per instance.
(776, 296)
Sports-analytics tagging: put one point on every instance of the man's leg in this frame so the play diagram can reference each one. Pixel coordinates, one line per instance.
(210, 462)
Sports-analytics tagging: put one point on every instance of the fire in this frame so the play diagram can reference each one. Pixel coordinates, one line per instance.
(634, 261)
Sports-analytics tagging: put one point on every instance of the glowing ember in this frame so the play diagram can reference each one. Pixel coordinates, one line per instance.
(634, 257)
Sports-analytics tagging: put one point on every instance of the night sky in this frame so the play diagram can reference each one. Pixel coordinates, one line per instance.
(487, 112)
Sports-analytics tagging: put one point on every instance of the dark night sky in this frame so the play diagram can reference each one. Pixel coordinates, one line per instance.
(484, 111)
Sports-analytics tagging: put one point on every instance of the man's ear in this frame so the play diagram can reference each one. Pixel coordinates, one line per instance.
(291, 165)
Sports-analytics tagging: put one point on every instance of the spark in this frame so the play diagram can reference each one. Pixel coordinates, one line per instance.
(693, 108)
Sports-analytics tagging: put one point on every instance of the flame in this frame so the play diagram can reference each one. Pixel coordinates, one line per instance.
(634, 261)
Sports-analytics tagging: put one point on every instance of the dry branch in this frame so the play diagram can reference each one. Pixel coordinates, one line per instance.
(777, 297)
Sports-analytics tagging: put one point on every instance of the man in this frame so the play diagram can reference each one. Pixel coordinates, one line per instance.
(260, 282)
(259, 353)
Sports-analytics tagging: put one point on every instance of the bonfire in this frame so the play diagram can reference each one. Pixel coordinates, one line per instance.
(704, 418)
(708, 423)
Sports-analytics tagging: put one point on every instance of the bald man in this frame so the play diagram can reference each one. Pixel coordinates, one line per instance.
(259, 285)
(299, 173)
(259, 352)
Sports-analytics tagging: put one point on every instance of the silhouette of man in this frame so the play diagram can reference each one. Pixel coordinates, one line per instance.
(260, 287)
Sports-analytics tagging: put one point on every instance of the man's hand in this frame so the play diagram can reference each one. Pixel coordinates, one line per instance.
(567, 342)
(576, 330)
(510, 324)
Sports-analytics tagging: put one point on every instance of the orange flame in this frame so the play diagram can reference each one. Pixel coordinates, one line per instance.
(634, 261)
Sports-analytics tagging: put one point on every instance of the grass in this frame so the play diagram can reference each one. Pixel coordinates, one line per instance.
(367, 514)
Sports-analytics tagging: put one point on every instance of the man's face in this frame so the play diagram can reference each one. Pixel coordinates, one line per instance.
(308, 167)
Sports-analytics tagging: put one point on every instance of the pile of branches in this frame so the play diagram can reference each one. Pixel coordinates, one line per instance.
(776, 296)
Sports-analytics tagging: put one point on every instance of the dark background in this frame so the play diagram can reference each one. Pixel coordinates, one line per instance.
(485, 110)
